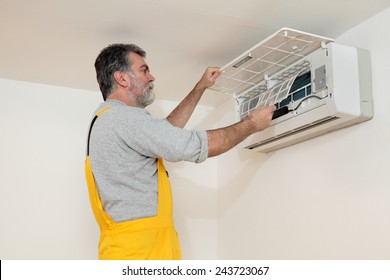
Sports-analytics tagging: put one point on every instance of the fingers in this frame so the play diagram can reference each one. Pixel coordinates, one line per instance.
(213, 73)
(262, 116)
(271, 107)
(268, 109)
(209, 77)
(214, 70)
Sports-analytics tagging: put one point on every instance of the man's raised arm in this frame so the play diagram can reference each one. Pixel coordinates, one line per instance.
(182, 113)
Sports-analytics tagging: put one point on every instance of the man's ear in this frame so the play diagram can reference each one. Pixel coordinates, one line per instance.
(121, 79)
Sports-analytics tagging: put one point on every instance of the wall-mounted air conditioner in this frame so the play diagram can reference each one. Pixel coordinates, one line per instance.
(317, 85)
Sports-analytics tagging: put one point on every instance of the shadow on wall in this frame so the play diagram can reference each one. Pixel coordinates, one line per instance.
(231, 190)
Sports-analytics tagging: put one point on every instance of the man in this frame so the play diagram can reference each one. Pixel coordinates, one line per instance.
(128, 185)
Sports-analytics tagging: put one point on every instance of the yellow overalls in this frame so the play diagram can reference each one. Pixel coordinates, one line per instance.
(152, 238)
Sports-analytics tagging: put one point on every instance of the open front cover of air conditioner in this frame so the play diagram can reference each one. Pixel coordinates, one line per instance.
(317, 86)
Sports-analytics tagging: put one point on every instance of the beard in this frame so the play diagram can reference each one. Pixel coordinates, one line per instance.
(144, 93)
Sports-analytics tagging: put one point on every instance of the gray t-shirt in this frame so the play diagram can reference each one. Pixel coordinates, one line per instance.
(125, 142)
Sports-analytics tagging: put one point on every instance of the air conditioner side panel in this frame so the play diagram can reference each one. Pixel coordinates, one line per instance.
(365, 82)
(351, 80)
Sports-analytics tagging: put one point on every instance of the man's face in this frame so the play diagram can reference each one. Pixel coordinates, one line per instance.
(142, 81)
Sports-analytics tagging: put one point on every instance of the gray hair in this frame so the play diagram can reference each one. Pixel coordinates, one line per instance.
(111, 59)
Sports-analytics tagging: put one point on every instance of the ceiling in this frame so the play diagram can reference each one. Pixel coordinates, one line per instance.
(56, 42)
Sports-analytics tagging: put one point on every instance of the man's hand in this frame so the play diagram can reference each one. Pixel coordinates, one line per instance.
(262, 117)
(180, 115)
(223, 139)
(208, 78)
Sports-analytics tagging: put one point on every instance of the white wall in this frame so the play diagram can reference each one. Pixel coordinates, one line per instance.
(44, 206)
(326, 198)
(44, 210)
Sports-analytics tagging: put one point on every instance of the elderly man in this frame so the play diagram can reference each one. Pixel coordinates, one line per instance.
(128, 185)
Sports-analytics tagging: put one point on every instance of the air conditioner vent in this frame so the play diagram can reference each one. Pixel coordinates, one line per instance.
(294, 131)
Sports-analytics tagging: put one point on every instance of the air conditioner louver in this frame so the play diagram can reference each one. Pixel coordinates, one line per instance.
(292, 132)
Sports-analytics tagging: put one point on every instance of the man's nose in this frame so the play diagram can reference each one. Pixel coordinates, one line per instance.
(150, 77)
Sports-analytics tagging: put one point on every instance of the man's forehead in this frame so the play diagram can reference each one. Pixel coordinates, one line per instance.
(137, 60)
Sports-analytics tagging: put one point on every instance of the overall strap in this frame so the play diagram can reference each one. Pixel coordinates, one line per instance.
(92, 123)
(101, 217)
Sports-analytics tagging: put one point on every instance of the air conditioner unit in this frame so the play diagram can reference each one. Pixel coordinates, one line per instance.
(317, 85)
